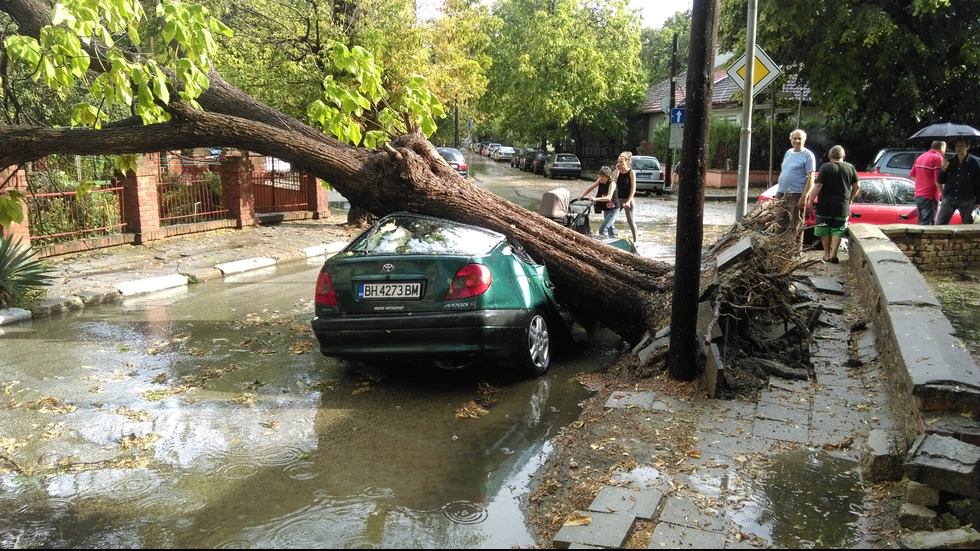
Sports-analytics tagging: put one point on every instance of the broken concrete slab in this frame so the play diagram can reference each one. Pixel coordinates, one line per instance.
(641, 503)
(736, 252)
(946, 464)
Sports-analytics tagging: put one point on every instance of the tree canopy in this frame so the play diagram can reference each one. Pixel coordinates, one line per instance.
(879, 69)
(175, 99)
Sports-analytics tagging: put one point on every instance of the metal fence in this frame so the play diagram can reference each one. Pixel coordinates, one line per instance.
(278, 188)
(188, 190)
(61, 216)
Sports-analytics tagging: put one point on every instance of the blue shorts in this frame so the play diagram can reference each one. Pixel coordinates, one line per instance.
(828, 225)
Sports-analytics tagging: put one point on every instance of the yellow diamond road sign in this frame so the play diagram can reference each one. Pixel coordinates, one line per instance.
(764, 71)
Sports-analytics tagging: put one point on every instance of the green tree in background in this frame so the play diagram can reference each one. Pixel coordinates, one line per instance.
(879, 69)
(562, 66)
(657, 45)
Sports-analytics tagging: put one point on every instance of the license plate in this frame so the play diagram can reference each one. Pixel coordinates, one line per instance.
(389, 290)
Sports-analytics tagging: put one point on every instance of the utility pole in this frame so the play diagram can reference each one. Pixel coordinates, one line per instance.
(745, 146)
(456, 141)
(682, 360)
(671, 102)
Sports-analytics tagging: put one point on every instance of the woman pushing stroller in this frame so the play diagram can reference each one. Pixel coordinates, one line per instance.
(606, 200)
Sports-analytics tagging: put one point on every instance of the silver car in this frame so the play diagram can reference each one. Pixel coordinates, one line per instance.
(649, 176)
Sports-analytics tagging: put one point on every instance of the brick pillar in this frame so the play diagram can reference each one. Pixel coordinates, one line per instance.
(237, 191)
(21, 231)
(316, 197)
(141, 203)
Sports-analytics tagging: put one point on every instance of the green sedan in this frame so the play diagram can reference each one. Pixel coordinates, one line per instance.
(420, 287)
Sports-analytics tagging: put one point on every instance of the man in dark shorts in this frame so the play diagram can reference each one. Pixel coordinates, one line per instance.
(835, 186)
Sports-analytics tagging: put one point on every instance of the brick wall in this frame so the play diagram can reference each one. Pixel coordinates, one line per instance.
(938, 248)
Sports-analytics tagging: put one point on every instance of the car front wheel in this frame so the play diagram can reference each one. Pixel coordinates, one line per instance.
(535, 356)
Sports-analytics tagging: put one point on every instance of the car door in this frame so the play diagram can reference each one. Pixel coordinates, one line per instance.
(873, 204)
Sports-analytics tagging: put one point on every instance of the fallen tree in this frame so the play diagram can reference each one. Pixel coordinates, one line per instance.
(626, 293)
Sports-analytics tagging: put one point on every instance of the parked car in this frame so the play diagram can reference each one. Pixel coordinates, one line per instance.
(649, 175)
(455, 159)
(882, 199)
(897, 162)
(420, 287)
(539, 160)
(562, 165)
(527, 160)
(503, 153)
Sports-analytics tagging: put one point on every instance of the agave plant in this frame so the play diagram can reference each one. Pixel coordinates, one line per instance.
(19, 272)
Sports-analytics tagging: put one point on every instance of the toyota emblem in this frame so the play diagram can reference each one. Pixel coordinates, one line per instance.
(388, 267)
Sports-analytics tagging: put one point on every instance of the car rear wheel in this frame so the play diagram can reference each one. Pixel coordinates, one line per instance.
(535, 357)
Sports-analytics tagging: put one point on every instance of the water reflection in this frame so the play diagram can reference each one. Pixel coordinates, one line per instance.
(805, 499)
(250, 444)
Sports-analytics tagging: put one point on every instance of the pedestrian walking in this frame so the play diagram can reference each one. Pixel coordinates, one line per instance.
(626, 188)
(834, 188)
(925, 172)
(959, 180)
(606, 201)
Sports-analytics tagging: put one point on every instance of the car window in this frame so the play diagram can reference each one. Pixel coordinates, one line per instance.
(872, 191)
(902, 160)
(645, 164)
(407, 234)
(567, 159)
(903, 191)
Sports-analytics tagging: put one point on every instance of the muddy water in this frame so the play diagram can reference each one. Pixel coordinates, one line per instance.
(202, 417)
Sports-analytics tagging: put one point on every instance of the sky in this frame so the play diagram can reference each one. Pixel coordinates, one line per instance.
(656, 12)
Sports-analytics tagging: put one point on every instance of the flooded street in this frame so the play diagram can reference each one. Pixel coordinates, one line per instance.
(205, 417)
(656, 217)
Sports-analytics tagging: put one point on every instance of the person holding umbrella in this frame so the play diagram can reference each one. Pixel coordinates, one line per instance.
(959, 180)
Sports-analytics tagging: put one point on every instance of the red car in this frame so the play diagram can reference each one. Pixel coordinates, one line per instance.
(883, 199)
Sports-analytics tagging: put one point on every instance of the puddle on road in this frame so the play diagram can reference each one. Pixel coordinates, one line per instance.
(804, 500)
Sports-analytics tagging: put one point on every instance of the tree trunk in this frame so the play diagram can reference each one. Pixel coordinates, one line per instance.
(625, 292)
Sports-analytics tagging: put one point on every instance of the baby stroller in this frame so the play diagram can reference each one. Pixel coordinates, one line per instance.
(575, 214)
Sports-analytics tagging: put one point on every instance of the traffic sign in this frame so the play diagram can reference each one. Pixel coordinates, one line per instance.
(764, 71)
(677, 116)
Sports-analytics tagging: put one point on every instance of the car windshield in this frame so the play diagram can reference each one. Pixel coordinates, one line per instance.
(645, 163)
(567, 159)
(413, 234)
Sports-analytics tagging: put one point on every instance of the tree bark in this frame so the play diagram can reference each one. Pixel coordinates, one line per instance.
(625, 292)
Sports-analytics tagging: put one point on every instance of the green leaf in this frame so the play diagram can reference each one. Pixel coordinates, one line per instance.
(11, 208)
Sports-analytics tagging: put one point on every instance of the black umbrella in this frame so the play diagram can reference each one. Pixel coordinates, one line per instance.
(946, 131)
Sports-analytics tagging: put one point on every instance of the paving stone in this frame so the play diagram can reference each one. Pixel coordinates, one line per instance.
(12, 315)
(880, 459)
(604, 530)
(787, 413)
(643, 400)
(960, 538)
(627, 501)
(670, 536)
(682, 511)
(778, 430)
(827, 285)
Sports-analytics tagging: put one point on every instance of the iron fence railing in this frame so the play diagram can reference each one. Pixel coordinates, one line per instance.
(190, 194)
(62, 216)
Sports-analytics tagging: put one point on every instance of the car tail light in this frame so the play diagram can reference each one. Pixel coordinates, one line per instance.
(325, 293)
(470, 281)
(462, 166)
